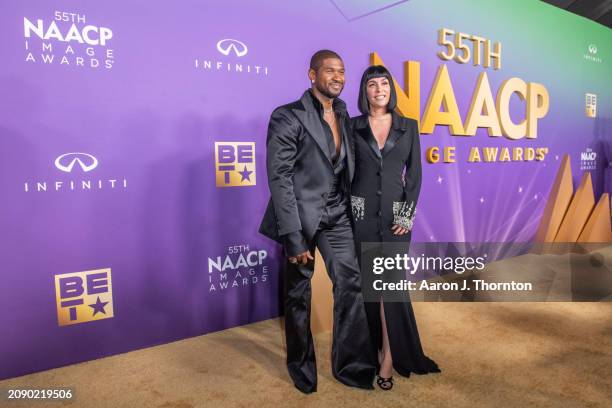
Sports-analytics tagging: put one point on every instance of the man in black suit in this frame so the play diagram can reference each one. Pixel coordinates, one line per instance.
(310, 163)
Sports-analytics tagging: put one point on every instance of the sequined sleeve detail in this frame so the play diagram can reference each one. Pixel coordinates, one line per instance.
(403, 213)
(358, 207)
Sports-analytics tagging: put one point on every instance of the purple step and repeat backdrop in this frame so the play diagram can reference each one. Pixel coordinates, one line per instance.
(132, 148)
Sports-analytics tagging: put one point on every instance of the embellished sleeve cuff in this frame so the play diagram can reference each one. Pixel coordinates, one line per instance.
(358, 207)
(403, 213)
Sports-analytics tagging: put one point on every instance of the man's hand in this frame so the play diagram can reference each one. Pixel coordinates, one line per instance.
(301, 259)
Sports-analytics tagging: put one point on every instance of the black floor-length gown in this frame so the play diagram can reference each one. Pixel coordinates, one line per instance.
(384, 192)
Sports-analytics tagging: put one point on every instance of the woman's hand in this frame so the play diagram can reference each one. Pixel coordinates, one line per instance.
(397, 230)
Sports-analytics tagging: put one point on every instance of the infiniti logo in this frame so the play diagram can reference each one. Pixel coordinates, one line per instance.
(592, 48)
(236, 66)
(66, 161)
(226, 45)
(77, 181)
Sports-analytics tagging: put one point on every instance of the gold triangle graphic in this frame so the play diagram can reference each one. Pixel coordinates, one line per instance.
(557, 204)
(598, 228)
(578, 211)
(573, 217)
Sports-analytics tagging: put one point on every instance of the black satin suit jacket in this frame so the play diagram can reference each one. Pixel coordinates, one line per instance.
(300, 169)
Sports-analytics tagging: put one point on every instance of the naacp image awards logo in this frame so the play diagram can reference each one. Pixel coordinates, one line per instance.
(239, 266)
(67, 39)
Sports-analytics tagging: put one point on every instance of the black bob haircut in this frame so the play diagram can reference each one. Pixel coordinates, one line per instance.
(317, 59)
(375, 71)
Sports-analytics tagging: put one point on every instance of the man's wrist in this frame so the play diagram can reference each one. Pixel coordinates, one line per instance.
(294, 243)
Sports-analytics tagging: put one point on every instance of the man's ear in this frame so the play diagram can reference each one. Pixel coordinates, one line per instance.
(312, 75)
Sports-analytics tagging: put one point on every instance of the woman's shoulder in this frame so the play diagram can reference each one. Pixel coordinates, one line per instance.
(406, 123)
(359, 121)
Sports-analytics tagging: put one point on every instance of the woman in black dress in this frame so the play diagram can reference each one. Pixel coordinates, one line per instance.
(383, 198)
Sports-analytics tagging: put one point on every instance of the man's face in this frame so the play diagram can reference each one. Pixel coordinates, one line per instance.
(329, 78)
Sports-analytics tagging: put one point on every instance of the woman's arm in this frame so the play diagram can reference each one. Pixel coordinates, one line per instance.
(404, 212)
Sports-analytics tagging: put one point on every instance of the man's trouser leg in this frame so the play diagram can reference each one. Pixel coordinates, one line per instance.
(352, 360)
(301, 361)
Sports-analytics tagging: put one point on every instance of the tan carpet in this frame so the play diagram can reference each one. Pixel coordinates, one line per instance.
(491, 354)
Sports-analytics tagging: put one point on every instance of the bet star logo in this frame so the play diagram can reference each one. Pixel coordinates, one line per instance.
(590, 105)
(83, 296)
(235, 164)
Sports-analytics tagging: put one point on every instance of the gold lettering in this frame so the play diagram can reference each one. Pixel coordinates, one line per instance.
(442, 95)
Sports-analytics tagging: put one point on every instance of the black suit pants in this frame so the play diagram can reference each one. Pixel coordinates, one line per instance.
(352, 360)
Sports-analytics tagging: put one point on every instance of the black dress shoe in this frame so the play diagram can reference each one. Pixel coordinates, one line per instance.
(306, 389)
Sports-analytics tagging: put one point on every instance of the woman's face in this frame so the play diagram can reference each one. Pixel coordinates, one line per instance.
(378, 92)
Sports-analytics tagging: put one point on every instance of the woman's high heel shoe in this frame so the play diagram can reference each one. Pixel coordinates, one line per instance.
(384, 383)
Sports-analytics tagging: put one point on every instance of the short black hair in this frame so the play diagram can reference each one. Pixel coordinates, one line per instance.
(317, 58)
(375, 71)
